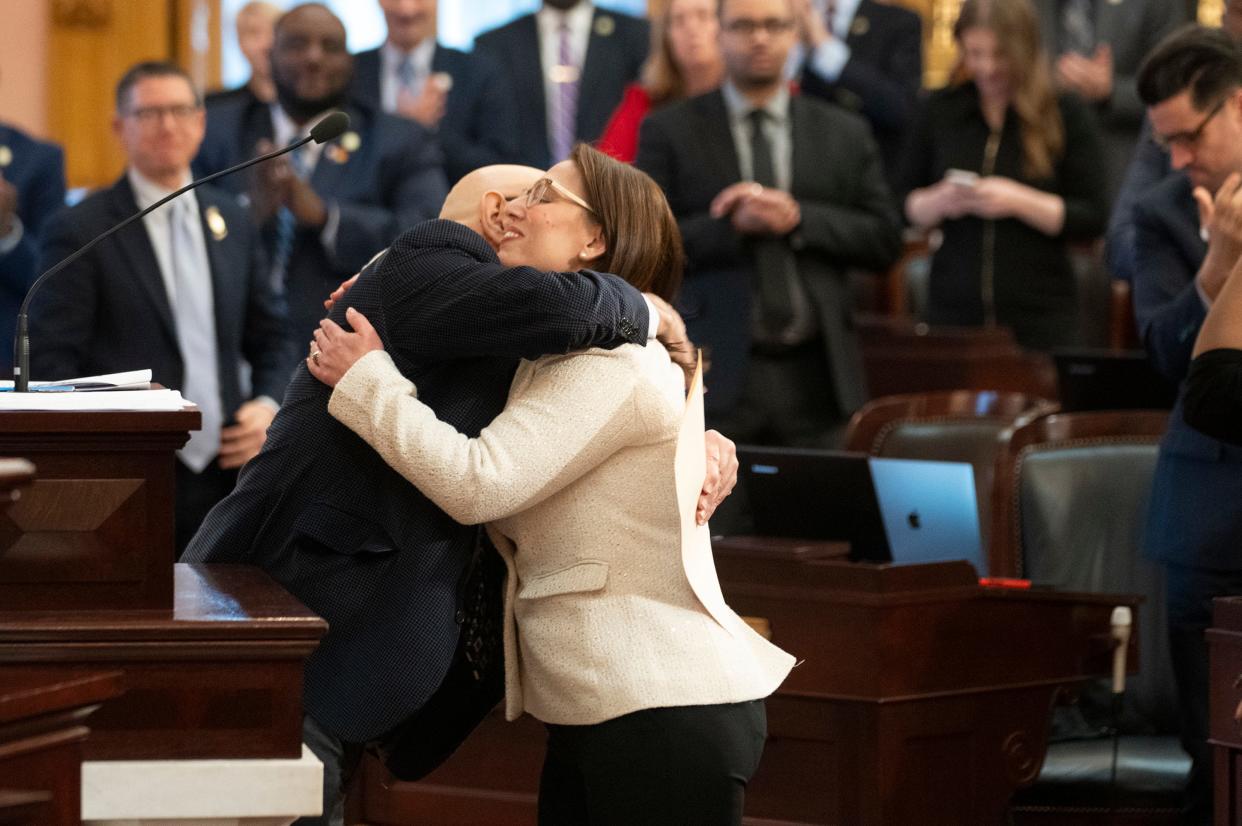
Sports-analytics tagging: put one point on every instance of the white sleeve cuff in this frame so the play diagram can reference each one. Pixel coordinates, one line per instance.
(653, 318)
(1203, 296)
(829, 59)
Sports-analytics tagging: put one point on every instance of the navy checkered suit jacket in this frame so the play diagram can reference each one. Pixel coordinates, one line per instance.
(322, 513)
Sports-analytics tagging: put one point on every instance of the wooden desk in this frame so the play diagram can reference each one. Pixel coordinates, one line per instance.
(220, 676)
(42, 728)
(922, 699)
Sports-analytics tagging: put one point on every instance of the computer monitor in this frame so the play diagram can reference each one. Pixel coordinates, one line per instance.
(901, 511)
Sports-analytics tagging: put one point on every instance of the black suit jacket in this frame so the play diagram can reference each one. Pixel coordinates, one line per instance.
(883, 76)
(848, 220)
(480, 124)
(390, 182)
(614, 58)
(110, 312)
(1195, 514)
(320, 511)
(37, 171)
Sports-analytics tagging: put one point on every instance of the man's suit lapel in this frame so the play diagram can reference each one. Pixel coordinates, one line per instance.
(860, 27)
(367, 76)
(135, 246)
(527, 64)
(228, 288)
(329, 170)
(717, 136)
(802, 168)
(600, 55)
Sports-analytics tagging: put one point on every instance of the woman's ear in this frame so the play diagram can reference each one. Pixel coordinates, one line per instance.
(594, 248)
(491, 216)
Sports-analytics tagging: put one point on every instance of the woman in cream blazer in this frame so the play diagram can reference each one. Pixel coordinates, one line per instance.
(616, 634)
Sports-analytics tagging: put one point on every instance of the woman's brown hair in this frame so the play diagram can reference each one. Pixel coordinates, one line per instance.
(1032, 95)
(643, 243)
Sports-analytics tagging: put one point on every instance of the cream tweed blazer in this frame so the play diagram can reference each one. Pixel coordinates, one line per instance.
(576, 482)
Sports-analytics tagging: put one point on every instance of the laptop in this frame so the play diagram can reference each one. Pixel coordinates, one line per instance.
(900, 511)
(1110, 380)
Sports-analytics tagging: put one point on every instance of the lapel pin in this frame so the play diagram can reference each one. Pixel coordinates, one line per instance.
(215, 223)
(860, 26)
(350, 142)
(605, 25)
(442, 81)
(6, 156)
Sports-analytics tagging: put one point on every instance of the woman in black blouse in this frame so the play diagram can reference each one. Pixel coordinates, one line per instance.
(1213, 401)
(1011, 173)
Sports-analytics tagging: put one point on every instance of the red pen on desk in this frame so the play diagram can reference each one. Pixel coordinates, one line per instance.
(1004, 582)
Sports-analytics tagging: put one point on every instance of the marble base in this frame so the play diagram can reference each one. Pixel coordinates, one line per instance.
(201, 792)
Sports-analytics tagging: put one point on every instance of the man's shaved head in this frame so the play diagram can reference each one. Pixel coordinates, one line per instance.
(478, 198)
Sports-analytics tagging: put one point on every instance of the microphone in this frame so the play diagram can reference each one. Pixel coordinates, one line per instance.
(329, 127)
(1121, 622)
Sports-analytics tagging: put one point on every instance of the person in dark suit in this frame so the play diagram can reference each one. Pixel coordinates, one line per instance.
(1192, 86)
(183, 292)
(1099, 45)
(568, 66)
(327, 211)
(1148, 166)
(1011, 172)
(868, 57)
(32, 188)
(324, 515)
(777, 197)
(463, 98)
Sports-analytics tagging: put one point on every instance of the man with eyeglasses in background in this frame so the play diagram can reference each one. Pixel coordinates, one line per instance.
(183, 292)
(1188, 235)
(777, 196)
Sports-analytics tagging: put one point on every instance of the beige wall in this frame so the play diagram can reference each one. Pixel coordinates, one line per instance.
(23, 64)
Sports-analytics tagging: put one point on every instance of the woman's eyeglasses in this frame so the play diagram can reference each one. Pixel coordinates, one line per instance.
(538, 194)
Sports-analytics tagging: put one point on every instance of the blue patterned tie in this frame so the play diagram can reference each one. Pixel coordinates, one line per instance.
(409, 76)
(286, 227)
(194, 314)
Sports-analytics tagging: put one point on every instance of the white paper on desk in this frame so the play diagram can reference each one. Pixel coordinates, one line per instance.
(696, 546)
(140, 400)
(129, 380)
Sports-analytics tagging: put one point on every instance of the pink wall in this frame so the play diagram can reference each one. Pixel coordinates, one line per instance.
(24, 30)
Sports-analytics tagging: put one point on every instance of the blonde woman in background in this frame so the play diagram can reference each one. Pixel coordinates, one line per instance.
(685, 61)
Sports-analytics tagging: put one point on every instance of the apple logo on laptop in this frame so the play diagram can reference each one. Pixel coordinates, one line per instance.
(913, 519)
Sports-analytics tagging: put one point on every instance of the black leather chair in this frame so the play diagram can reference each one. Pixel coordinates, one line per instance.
(1070, 499)
(946, 426)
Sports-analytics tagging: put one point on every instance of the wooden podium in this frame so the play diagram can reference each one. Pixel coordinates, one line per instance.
(95, 530)
(211, 655)
(921, 698)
